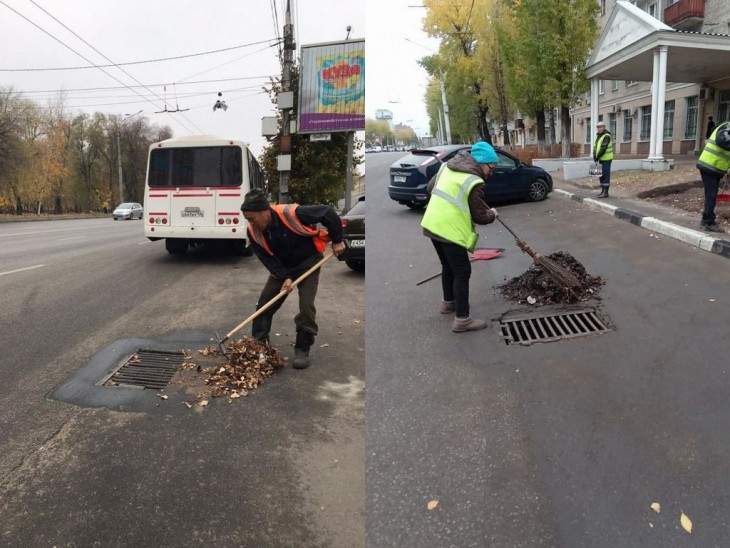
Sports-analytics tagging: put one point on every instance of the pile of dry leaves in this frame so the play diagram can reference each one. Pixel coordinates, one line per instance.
(248, 363)
(537, 287)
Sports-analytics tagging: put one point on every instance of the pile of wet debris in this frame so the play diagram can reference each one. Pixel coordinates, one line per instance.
(537, 287)
(248, 363)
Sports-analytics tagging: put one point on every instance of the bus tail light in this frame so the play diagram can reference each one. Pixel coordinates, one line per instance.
(220, 221)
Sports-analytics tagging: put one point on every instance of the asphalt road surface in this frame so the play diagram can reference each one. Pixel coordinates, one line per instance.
(556, 444)
(281, 467)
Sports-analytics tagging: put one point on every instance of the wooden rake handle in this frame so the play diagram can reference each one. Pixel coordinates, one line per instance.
(269, 304)
(521, 243)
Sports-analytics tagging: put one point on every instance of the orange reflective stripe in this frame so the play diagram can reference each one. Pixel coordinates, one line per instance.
(258, 237)
(287, 215)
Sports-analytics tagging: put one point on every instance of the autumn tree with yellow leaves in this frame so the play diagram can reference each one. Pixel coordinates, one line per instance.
(507, 56)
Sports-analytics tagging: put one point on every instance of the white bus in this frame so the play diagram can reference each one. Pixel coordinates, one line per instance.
(194, 191)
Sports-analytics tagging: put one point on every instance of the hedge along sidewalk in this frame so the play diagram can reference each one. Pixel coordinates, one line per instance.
(696, 238)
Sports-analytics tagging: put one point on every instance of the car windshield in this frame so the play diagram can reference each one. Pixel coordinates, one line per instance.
(358, 209)
(124, 206)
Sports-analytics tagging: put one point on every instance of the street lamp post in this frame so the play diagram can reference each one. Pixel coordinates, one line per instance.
(119, 158)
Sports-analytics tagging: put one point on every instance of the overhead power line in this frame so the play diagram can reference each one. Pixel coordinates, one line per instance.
(111, 88)
(89, 60)
(129, 63)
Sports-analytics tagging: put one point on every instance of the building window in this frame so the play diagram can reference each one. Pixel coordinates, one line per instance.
(723, 110)
(612, 125)
(614, 87)
(630, 82)
(627, 127)
(587, 125)
(645, 132)
(601, 87)
(652, 10)
(690, 124)
(668, 120)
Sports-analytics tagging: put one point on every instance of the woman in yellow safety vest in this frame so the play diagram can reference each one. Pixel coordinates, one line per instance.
(457, 202)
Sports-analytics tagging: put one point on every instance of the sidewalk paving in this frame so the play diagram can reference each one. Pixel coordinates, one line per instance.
(674, 223)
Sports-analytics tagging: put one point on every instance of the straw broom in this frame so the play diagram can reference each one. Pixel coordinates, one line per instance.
(561, 275)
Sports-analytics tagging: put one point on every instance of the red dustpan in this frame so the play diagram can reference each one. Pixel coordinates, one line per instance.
(724, 195)
(483, 254)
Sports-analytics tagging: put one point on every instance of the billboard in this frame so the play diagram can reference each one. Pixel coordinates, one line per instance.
(332, 87)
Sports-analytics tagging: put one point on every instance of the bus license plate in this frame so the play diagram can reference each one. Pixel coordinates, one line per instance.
(399, 179)
(357, 243)
(192, 214)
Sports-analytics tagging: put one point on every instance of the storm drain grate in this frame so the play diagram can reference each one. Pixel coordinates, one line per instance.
(552, 327)
(146, 369)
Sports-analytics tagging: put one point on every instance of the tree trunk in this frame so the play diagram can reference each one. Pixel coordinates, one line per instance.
(505, 132)
(565, 130)
(482, 126)
(540, 121)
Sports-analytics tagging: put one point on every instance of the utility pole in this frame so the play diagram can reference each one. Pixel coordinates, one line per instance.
(446, 107)
(119, 158)
(285, 146)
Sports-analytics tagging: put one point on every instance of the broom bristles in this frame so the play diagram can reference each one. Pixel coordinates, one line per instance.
(561, 275)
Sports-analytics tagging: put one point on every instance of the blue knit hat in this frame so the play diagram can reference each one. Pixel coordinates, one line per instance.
(484, 153)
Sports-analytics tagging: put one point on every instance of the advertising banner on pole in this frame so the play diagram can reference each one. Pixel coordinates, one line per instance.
(332, 87)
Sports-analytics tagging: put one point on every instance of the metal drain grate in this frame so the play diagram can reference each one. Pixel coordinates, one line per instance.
(146, 369)
(552, 327)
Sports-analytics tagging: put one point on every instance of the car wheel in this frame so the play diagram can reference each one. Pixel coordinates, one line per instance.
(357, 266)
(538, 190)
(415, 205)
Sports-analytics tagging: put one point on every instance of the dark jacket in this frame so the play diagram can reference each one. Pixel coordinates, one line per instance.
(710, 128)
(291, 250)
(478, 208)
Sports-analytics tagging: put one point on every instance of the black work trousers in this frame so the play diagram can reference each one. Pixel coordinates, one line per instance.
(305, 321)
(455, 274)
(711, 182)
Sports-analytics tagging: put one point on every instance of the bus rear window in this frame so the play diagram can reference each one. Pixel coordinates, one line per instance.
(195, 166)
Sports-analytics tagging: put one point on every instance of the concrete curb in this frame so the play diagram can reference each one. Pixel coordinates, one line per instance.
(689, 236)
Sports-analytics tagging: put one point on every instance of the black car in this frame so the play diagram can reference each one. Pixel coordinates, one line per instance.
(512, 180)
(353, 233)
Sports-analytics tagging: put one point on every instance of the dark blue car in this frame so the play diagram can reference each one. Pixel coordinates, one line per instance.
(512, 180)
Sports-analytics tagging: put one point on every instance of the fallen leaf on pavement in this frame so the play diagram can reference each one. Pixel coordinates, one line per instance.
(325, 345)
(656, 507)
(162, 396)
(686, 523)
(203, 403)
(432, 504)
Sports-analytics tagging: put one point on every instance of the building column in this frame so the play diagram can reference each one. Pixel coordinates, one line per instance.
(594, 113)
(661, 98)
(654, 107)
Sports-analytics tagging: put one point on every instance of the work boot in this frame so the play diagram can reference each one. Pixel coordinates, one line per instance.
(467, 324)
(447, 307)
(301, 359)
(303, 343)
(604, 193)
(712, 227)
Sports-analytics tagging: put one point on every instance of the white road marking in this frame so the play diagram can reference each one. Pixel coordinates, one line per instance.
(21, 269)
(73, 238)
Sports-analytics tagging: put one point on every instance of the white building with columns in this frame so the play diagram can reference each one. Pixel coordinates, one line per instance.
(654, 85)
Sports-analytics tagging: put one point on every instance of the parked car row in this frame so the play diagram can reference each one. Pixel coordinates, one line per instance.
(512, 180)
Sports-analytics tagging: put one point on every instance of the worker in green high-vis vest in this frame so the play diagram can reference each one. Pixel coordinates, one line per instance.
(603, 154)
(714, 164)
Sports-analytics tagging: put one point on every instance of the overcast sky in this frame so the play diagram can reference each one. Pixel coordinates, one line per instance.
(392, 70)
(141, 30)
